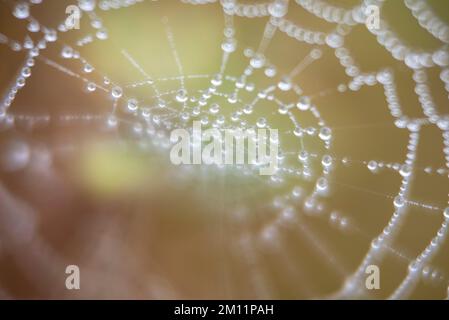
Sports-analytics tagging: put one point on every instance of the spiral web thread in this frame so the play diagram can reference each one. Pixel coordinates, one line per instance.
(175, 108)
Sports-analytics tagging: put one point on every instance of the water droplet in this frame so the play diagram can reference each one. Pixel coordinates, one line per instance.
(413, 266)
(278, 8)
(232, 98)
(372, 165)
(96, 23)
(217, 80)
(270, 71)
(67, 52)
(311, 131)
(21, 82)
(229, 32)
(112, 121)
(446, 213)
(285, 84)
(325, 133)
(322, 184)
(248, 52)
(88, 68)
(132, 105)
(316, 54)
(33, 26)
(91, 87)
(297, 192)
(248, 109)
(86, 5)
(51, 35)
(196, 111)
(181, 96)
(116, 92)
(156, 119)
(257, 61)
(303, 156)
(185, 116)
(26, 72)
(229, 45)
(146, 113)
(34, 52)
(376, 243)
(283, 109)
(261, 123)
(102, 34)
(342, 88)
(161, 104)
(303, 103)
(28, 43)
(235, 116)
(204, 120)
(326, 161)
(30, 62)
(399, 202)
(21, 10)
(220, 119)
(406, 170)
(334, 40)
(214, 108)
(298, 131)
(240, 83)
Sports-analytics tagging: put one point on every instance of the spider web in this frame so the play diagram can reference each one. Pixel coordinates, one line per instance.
(348, 141)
